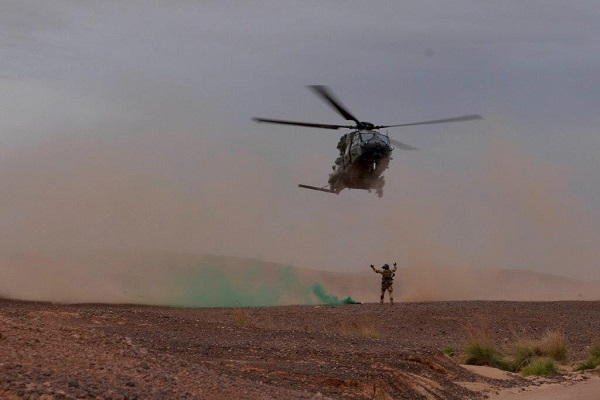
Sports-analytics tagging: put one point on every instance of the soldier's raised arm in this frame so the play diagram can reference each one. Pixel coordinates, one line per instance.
(377, 271)
(395, 268)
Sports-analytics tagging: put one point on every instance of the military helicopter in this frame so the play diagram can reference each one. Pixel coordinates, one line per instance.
(364, 153)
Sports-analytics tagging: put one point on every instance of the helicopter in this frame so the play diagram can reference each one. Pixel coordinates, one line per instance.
(364, 153)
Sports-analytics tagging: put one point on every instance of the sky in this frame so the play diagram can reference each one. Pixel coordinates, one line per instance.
(127, 125)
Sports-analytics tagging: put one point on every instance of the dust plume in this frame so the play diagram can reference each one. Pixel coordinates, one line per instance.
(162, 278)
(166, 192)
(218, 285)
(514, 212)
(219, 282)
(68, 199)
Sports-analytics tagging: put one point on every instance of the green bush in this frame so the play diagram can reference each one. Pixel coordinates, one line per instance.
(552, 345)
(590, 363)
(449, 350)
(530, 357)
(540, 366)
(593, 361)
(595, 351)
(480, 352)
(523, 352)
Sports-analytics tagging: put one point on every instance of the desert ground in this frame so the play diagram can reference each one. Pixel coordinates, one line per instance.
(352, 351)
(167, 326)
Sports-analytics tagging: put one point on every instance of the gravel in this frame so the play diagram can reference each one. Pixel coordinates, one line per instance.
(62, 351)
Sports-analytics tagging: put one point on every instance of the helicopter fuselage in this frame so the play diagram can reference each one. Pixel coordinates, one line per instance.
(364, 152)
(364, 156)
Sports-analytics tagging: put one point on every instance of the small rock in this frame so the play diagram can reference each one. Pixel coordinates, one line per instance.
(142, 351)
(73, 383)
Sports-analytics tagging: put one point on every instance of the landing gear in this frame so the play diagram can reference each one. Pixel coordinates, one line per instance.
(334, 184)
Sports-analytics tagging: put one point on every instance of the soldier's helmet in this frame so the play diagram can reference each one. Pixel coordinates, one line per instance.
(385, 266)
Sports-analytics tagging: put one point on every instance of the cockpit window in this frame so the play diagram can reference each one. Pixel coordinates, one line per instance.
(369, 136)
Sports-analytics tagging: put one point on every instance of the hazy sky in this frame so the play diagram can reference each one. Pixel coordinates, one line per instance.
(127, 125)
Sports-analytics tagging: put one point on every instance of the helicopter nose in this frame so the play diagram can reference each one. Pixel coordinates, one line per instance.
(374, 150)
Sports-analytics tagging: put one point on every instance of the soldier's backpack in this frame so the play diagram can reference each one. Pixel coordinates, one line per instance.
(388, 275)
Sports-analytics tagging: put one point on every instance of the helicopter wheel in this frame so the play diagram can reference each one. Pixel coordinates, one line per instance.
(380, 193)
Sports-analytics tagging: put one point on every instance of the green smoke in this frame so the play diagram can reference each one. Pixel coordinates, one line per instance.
(327, 298)
(253, 284)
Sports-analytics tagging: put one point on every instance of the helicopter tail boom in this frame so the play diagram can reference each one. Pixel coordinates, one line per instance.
(316, 188)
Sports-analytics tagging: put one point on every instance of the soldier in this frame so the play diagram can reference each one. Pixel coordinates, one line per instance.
(387, 280)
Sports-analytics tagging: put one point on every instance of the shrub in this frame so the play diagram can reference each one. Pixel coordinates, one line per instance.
(449, 350)
(523, 352)
(595, 351)
(593, 361)
(590, 363)
(540, 366)
(481, 352)
(531, 357)
(554, 345)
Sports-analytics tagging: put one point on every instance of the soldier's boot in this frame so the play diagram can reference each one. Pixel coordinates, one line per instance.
(391, 300)
(381, 299)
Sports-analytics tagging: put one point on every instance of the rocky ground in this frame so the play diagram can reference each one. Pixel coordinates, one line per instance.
(295, 352)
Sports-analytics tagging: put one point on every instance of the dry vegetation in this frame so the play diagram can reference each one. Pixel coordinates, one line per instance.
(482, 349)
(527, 356)
(551, 346)
(292, 352)
(594, 359)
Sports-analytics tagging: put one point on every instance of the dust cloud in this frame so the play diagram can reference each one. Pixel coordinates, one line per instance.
(228, 282)
(497, 225)
(161, 278)
(177, 193)
(67, 203)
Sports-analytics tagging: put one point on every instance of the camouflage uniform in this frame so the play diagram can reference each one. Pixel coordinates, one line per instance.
(387, 281)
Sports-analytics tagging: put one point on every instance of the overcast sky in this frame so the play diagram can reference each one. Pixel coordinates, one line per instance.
(128, 125)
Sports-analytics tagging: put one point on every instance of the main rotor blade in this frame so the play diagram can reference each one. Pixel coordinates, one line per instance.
(401, 145)
(437, 121)
(296, 123)
(335, 103)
